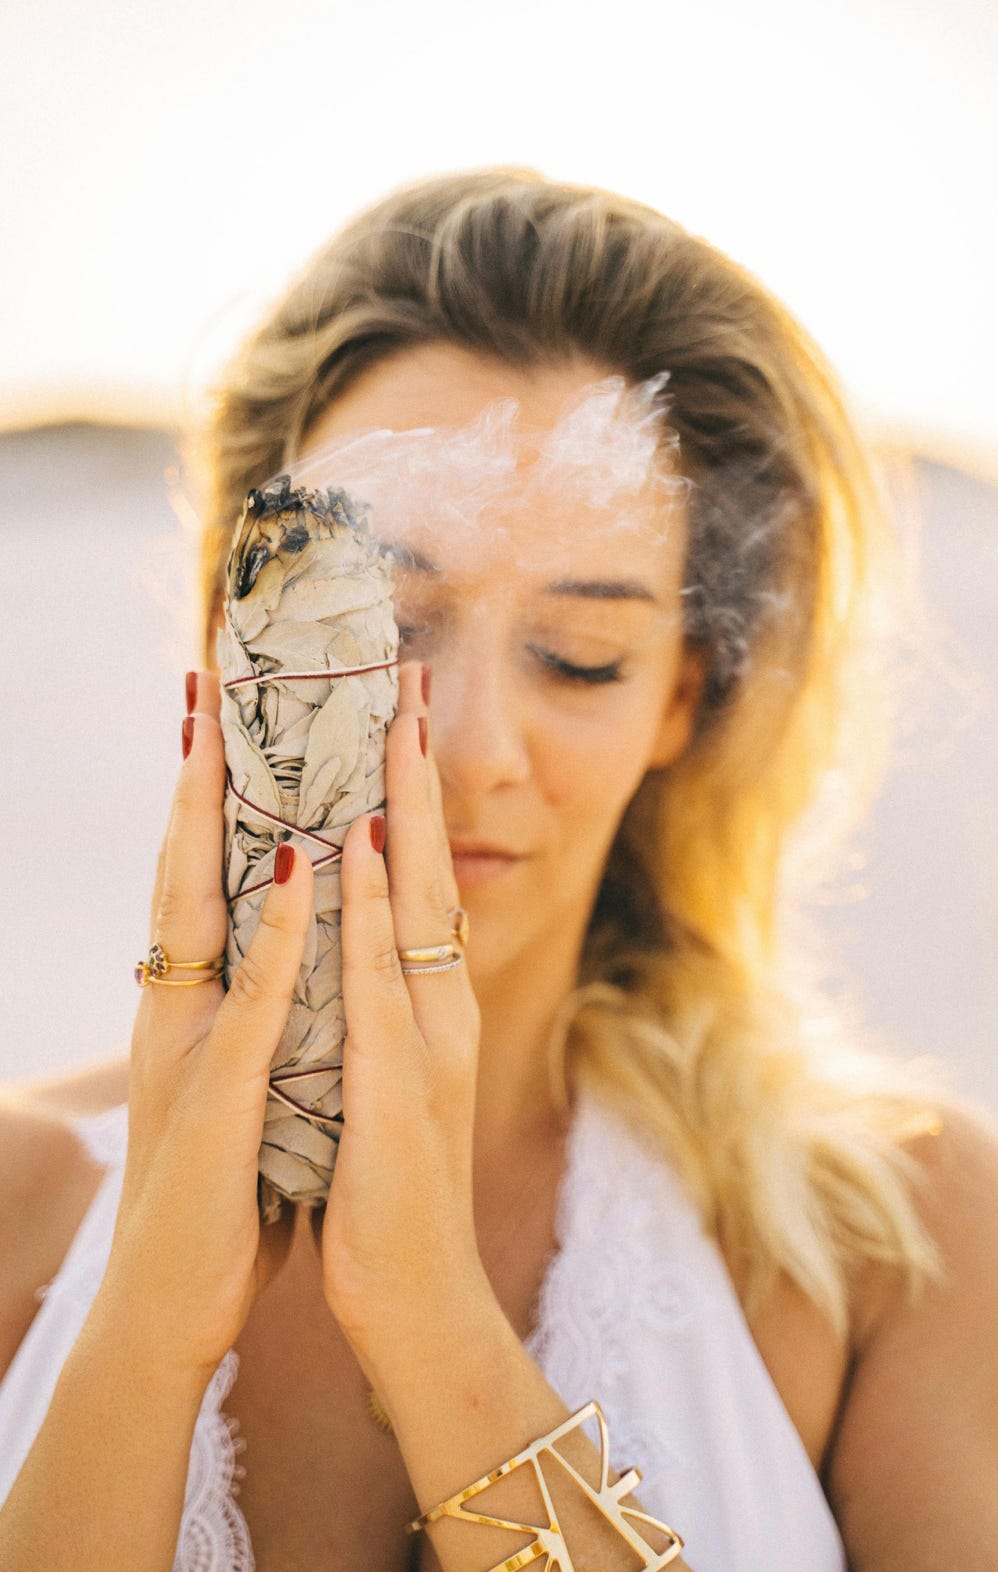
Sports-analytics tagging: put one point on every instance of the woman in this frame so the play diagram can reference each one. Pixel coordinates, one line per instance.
(621, 1154)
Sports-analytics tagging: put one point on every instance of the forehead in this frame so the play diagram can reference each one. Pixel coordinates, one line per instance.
(477, 465)
(445, 385)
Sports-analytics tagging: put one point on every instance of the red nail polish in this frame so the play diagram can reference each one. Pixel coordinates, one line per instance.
(378, 829)
(187, 734)
(284, 861)
(425, 683)
(191, 685)
(423, 734)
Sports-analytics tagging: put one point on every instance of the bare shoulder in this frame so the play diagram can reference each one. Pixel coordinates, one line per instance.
(48, 1181)
(912, 1469)
(74, 1092)
(956, 1191)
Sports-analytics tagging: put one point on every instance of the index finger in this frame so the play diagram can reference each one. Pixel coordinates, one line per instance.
(203, 694)
(190, 920)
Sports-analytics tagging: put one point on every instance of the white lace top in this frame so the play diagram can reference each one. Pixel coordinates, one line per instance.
(636, 1309)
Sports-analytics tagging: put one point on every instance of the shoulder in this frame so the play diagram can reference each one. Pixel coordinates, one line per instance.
(954, 1173)
(959, 1189)
(48, 1181)
(917, 1441)
(72, 1093)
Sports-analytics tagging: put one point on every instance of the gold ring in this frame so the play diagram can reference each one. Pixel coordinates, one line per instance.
(442, 966)
(432, 952)
(430, 958)
(156, 966)
(459, 919)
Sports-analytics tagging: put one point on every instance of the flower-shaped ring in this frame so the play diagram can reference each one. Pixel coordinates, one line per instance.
(155, 967)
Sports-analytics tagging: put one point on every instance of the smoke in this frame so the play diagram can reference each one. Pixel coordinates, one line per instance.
(608, 473)
(609, 454)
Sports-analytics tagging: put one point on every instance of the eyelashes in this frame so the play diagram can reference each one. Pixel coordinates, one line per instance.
(591, 676)
(553, 664)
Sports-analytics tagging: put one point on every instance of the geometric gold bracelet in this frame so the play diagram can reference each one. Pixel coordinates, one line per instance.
(550, 1541)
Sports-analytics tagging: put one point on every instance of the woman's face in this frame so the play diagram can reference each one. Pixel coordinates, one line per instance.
(559, 675)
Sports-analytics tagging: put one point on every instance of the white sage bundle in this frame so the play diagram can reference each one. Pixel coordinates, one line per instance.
(308, 661)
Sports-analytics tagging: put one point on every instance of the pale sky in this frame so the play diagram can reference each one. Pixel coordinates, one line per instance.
(165, 168)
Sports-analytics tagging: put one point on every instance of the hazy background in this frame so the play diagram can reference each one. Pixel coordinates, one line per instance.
(164, 172)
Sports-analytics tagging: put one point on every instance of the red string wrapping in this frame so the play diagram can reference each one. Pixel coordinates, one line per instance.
(333, 855)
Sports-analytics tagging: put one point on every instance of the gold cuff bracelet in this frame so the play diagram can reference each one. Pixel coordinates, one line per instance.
(550, 1541)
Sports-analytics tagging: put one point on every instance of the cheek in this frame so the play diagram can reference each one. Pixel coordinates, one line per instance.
(590, 763)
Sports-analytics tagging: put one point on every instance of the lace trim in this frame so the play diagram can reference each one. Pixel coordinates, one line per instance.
(625, 1272)
(610, 1235)
(214, 1535)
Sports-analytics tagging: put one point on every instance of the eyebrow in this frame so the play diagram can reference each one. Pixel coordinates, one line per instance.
(585, 589)
(601, 589)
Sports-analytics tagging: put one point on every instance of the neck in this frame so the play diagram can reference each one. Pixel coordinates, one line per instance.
(516, 1099)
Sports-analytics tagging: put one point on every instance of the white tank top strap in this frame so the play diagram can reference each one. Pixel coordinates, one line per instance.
(105, 1135)
(30, 1380)
(105, 1138)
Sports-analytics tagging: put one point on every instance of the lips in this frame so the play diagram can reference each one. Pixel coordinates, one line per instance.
(481, 862)
(483, 849)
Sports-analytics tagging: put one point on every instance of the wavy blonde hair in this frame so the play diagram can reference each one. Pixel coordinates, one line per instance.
(691, 1015)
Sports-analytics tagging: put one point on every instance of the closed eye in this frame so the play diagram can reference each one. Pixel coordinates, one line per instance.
(565, 670)
(593, 675)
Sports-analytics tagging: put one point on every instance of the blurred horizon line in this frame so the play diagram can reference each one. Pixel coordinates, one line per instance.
(148, 407)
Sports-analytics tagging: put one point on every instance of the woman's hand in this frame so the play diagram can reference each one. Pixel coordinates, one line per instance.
(398, 1231)
(189, 1256)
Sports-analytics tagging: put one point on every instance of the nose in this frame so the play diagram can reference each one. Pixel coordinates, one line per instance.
(478, 716)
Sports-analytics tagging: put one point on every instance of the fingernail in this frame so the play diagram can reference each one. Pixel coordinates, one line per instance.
(187, 734)
(425, 683)
(378, 828)
(284, 862)
(191, 685)
(423, 734)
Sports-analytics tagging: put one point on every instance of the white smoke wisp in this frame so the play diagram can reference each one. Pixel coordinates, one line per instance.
(609, 454)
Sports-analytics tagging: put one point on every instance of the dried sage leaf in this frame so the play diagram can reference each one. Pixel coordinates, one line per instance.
(307, 590)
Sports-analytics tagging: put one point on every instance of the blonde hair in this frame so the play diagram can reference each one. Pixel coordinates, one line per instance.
(789, 1135)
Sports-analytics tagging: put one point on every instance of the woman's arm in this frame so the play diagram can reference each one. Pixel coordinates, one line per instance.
(464, 1395)
(913, 1475)
(103, 1485)
(402, 1273)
